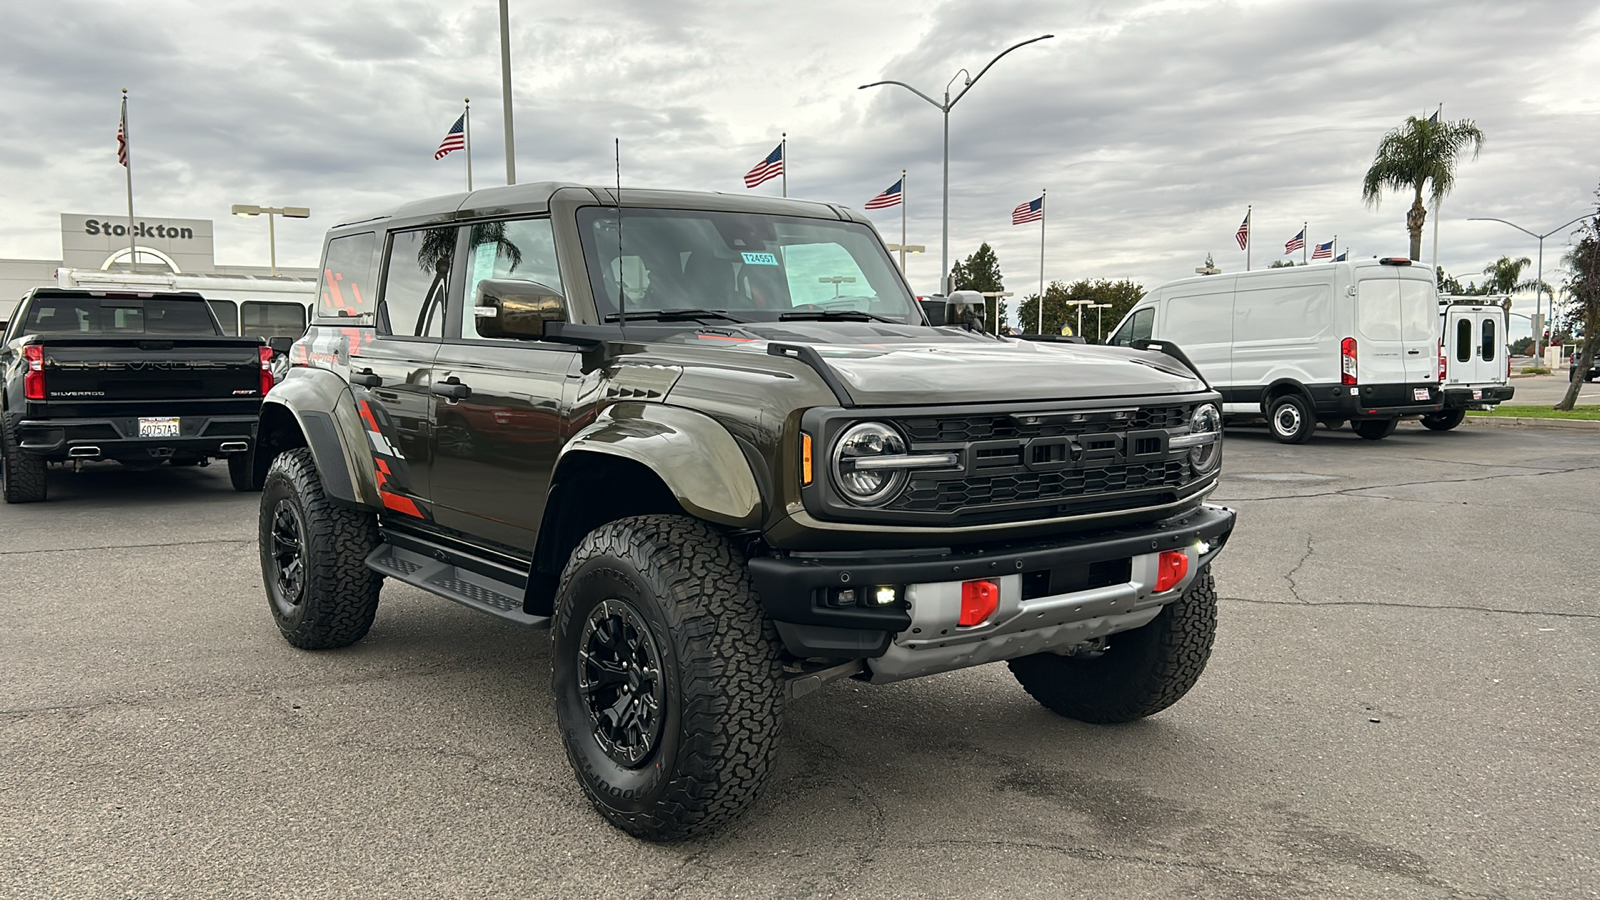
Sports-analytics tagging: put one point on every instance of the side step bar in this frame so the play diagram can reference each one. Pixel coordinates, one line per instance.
(477, 583)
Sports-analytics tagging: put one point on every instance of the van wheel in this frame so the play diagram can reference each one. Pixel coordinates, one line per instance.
(1443, 421)
(1290, 419)
(1375, 429)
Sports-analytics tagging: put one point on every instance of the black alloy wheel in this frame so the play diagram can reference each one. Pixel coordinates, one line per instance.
(619, 677)
(288, 556)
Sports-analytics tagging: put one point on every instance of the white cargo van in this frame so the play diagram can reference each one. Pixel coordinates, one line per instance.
(1356, 341)
(1475, 361)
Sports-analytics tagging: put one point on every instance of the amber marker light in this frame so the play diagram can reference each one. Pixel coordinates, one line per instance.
(805, 458)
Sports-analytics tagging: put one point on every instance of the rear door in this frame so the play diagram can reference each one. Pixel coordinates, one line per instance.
(1419, 317)
(1380, 347)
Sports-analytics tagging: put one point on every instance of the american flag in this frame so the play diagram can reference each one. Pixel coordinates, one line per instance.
(454, 139)
(1342, 257)
(122, 139)
(1032, 211)
(1243, 234)
(1298, 242)
(1323, 251)
(890, 196)
(767, 169)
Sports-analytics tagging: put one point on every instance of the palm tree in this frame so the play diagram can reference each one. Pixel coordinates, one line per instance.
(1422, 152)
(1504, 276)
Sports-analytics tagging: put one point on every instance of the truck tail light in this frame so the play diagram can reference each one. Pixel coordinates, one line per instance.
(1347, 361)
(979, 600)
(1171, 567)
(267, 381)
(1441, 362)
(33, 378)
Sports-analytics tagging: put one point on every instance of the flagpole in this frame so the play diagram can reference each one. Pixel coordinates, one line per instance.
(1042, 205)
(1437, 115)
(466, 130)
(902, 223)
(1249, 238)
(783, 145)
(1304, 237)
(127, 150)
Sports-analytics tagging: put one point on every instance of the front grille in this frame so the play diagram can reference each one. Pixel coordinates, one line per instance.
(988, 426)
(928, 493)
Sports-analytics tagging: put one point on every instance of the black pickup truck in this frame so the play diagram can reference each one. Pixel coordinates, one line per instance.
(140, 378)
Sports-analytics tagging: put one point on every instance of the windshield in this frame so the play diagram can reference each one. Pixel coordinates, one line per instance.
(116, 315)
(752, 267)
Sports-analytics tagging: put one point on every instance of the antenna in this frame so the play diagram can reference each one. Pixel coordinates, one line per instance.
(622, 311)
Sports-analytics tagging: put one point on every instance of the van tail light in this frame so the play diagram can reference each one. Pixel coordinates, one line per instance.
(33, 378)
(1347, 361)
(267, 381)
(1441, 362)
(1172, 566)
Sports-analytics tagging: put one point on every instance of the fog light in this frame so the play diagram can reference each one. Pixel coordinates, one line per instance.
(886, 596)
(979, 600)
(842, 597)
(1171, 567)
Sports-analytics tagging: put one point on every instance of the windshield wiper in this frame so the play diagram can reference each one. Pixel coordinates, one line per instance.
(840, 315)
(672, 315)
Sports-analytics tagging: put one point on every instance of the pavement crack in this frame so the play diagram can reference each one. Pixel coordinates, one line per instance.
(1450, 607)
(129, 546)
(1294, 588)
(1355, 491)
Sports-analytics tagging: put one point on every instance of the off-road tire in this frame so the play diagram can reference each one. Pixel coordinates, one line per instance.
(23, 478)
(1139, 673)
(242, 472)
(1374, 429)
(337, 594)
(1290, 420)
(1443, 420)
(721, 703)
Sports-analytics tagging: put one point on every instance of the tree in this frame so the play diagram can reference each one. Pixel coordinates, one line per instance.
(1283, 264)
(1121, 295)
(981, 272)
(1421, 153)
(1583, 291)
(1448, 284)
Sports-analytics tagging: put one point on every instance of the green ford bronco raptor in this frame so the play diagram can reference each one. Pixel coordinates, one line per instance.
(720, 449)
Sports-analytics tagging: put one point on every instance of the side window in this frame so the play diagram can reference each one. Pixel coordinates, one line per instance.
(270, 318)
(523, 250)
(1488, 340)
(345, 290)
(1141, 325)
(1464, 340)
(416, 282)
(227, 313)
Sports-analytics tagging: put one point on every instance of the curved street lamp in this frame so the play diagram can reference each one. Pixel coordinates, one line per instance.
(1538, 291)
(945, 107)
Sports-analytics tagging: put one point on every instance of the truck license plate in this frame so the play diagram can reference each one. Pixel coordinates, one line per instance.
(1477, 395)
(1419, 393)
(165, 426)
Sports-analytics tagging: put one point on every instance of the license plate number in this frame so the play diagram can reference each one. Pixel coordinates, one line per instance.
(1419, 393)
(166, 426)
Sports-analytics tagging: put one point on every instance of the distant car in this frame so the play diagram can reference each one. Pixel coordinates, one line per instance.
(1572, 368)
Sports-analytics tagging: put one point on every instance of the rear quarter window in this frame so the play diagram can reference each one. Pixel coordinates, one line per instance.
(345, 289)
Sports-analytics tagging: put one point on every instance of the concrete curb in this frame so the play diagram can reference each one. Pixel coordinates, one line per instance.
(1530, 422)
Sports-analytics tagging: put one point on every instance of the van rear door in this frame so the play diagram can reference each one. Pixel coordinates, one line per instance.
(1472, 346)
(1419, 316)
(1380, 346)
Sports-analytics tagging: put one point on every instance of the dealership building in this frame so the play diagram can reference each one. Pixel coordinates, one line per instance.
(172, 254)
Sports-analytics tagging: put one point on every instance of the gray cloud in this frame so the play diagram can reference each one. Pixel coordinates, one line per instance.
(1151, 124)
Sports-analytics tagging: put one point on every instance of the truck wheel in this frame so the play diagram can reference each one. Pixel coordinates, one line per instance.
(242, 472)
(1443, 420)
(1290, 419)
(23, 478)
(1137, 673)
(313, 558)
(1374, 429)
(666, 675)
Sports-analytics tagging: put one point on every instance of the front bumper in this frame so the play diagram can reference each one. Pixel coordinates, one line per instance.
(1053, 594)
(1477, 397)
(116, 437)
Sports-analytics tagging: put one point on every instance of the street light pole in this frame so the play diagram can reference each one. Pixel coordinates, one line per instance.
(246, 210)
(944, 108)
(997, 295)
(1538, 288)
(1099, 332)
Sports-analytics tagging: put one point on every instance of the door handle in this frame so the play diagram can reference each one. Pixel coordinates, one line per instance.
(451, 388)
(1412, 352)
(365, 378)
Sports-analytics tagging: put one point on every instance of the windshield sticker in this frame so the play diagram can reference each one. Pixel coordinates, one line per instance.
(759, 259)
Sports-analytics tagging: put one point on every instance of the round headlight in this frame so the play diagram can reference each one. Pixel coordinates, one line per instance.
(1207, 419)
(863, 484)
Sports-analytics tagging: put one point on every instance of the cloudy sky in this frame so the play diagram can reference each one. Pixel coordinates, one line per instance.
(1152, 124)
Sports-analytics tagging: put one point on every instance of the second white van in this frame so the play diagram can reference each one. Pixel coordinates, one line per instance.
(1354, 341)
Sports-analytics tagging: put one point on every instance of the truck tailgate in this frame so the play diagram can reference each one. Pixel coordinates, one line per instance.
(143, 368)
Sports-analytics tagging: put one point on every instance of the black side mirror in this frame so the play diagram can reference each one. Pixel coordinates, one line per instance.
(507, 308)
(280, 344)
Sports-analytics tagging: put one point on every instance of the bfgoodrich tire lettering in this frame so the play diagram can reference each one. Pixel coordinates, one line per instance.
(717, 680)
(1139, 673)
(313, 556)
(23, 478)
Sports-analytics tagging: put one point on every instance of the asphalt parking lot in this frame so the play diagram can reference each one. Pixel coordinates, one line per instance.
(1404, 700)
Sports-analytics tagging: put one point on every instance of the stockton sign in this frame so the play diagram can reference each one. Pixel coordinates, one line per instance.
(91, 242)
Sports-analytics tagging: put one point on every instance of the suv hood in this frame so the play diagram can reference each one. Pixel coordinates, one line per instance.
(894, 365)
